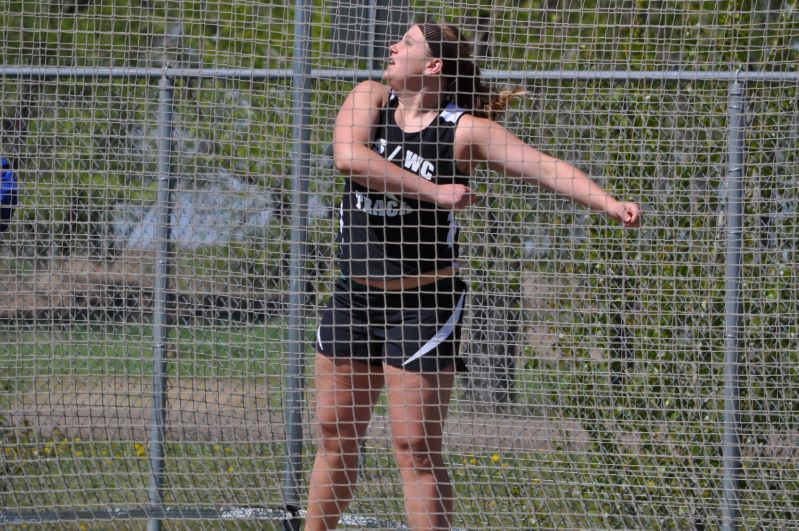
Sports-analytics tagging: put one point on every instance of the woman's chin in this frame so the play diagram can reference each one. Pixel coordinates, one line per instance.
(392, 82)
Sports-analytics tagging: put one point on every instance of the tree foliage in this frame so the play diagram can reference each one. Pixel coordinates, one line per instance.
(639, 356)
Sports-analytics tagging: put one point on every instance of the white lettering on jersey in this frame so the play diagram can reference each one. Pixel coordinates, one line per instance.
(381, 145)
(414, 162)
(394, 153)
(390, 208)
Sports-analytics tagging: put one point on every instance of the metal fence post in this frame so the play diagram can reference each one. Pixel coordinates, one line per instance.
(295, 381)
(731, 451)
(161, 318)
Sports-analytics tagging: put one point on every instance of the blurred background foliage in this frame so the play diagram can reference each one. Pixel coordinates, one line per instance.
(628, 325)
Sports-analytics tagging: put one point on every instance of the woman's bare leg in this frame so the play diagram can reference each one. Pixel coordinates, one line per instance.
(346, 393)
(418, 405)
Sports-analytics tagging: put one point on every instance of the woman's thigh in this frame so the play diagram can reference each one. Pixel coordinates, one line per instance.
(346, 391)
(418, 404)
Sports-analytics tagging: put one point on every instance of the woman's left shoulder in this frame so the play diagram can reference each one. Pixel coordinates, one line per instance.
(470, 127)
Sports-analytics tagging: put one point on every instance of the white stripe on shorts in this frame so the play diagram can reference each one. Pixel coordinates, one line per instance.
(441, 335)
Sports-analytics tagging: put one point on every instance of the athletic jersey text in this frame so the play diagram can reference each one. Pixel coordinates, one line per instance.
(386, 235)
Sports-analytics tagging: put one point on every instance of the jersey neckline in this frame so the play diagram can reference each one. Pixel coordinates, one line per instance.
(393, 106)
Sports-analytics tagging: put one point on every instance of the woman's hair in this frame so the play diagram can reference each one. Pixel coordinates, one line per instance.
(462, 76)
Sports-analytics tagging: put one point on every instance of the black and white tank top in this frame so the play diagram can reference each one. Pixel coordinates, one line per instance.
(384, 235)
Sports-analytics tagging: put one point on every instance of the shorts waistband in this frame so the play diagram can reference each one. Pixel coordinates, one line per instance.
(347, 282)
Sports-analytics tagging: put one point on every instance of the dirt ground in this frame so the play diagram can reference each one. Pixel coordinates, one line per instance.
(234, 411)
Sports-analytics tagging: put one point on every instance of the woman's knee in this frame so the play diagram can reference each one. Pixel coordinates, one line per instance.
(417, 452)
(336, 436)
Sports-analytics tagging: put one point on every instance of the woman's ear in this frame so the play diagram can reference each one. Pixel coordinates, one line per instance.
(434, 66)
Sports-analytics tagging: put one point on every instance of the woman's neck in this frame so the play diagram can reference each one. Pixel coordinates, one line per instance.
(417, 109)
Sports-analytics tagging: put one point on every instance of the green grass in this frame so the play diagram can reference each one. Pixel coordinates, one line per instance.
(127, 349)
(62, 473)
(53, 471)
(492, 490)
(56, 472)
(512, 489)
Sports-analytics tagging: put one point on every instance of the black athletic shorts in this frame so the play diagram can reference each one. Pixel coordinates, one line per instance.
(418, 330)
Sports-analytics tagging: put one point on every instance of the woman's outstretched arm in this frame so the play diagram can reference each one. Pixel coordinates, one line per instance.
(491, 143)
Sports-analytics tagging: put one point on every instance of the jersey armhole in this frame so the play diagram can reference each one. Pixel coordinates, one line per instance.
(471, 163)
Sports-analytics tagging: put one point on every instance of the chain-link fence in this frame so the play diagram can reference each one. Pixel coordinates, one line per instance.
(173, 244)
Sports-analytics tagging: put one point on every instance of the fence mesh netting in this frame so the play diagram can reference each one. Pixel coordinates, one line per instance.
(595, 396)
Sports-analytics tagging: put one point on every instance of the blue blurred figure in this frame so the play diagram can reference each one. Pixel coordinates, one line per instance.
(8, 194)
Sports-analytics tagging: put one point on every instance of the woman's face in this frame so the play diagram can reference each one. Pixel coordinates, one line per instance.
(407, 60)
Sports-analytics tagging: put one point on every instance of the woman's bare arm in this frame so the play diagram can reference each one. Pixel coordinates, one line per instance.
(491, 143)
(354, 157)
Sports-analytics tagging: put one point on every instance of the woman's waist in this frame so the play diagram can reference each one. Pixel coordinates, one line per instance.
(407, 282)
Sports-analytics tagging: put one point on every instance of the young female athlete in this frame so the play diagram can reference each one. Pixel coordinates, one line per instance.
(407, 148)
